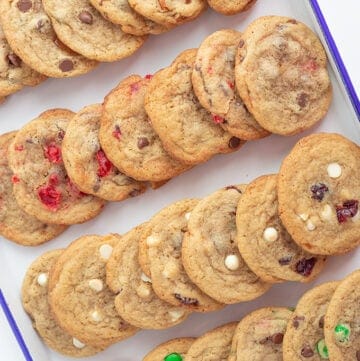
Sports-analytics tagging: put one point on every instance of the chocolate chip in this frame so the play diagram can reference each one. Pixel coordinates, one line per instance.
(186, 300)
(234, 142)
(292, 21)
(241, 43)
(296, 321)
(134, 193)
(264, 341)
(358, 355)
(142, 142)
(233, 187)
(302, 99)
(307, 351)
(96, 186)
(86, 17)
(305, 266)
(66, 65)
(14, 60)
(285, 260)
(277, 338)
(321, 322)
(24, 5)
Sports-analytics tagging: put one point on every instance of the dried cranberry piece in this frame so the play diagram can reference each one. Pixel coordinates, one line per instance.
(148, 76)
(347, 210)
(117, 132)
(305, 266)
(50, 197)
(186, 300)
(318, 191)
(15, 179)
(231, 84)
(54, 179)
(53, 153)
(104, 165)
(19, 147)
(217, 119)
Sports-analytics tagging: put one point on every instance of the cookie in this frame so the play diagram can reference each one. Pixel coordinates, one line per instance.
(120, 12)
(128, 138)
(209, 251)
(264, 243)
(14, 73)
(82, 28)
(34, 297)
(213, 80)
(231, 7)
(167, 12)
(173, 350)
(342, 321)
(30, 34)
(318, 190)
(214, 345)
(163, 246)
(185, 128)
(136, 301)
(259, 335)
(80, 299)
(281, 75)
(15, 224)
(42, 187)
(304, 336)
(86, 163)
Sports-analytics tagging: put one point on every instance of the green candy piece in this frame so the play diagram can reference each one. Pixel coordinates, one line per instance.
(322, 349)
(173, 357)
(342, 332)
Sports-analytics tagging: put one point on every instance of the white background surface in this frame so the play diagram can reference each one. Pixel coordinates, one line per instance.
(254, 159)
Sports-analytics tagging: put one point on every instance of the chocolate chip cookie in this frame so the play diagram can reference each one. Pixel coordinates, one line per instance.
(173, 350)
(42, 187)
(30, 34)
(82, 28)
(87, 164)
(135, 299)
(128, 138)
(231, 7)
(187, 131)
(304, 336)
(209, 251)
(319, 190)
(281, 75)
(213, 80)
(266, 246)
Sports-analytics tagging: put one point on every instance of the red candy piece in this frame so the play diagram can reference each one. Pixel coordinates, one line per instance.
(15, 179)
(117, 132)
(148, 76)
(53, 153)
(19, 148)
(50, 197)
(104, 165)
(217, 119)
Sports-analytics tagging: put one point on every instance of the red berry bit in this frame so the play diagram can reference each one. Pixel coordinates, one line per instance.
(318, 191)
(148, 76)
(305, 266)
(15, 179)
(210, 70)
(134, 88)
(54, 179)
(310, 66)
(231, 84)
(104, 165)
(217, 119)
(117, 132)
(19, 148)
(347, 210)
(50, 197)
(53, 153)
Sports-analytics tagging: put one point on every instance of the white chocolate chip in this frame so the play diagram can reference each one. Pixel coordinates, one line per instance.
(187, 215)
(232, 262)
(310, 226)
(96, 316)
(96, 285)
(176, 314)
(270, 234)
(145, 278)
(304, 216)
(144, 290)
(326, 213)
(105, 251)
(77, 343)
(42, 279)
(171, 270)
(152, 241)
(334, 170)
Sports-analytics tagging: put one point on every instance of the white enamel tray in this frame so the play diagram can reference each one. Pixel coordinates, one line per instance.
(254, 159)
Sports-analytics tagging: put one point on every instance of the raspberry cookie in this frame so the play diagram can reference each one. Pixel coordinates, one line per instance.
(15, 224)
(120, 12)
(213, 80)
(214, 345)
(30, 34)
(187, 131)
(128, 138)
(43, 188)
(86, 163)
(266, 246)
(35, 302)
(14, 73)
(281, 75)
(163, 247)
(342, 321)
(80, 299)
(82, 28)
(319, 190)
(136, 301)
(304, 336)
(209, 251)
(173, 350)
(260, 334)
(169, 12)
(231, 7)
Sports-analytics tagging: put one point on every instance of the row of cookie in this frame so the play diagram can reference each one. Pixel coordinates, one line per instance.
(83, 34)
(320, 327)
